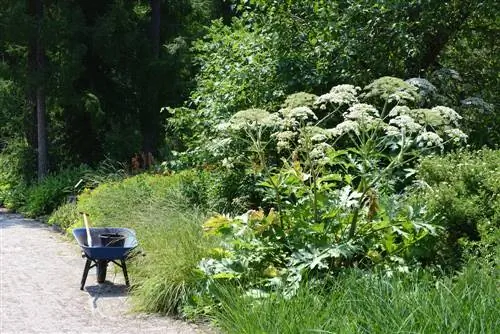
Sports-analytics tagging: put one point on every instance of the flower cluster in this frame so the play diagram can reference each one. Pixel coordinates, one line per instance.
(284, 139)
(344, 128)
(429, 139)
(406, 123)
(456, 135)
(250, 118)
(294, 117)
(448, 115)
(478, 103)
(319, 151)
(425, 88)
(359, 116)
(338, 95)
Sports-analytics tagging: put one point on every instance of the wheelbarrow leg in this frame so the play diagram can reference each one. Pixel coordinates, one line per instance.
(102, 266)
(124, 268)
(85, 273)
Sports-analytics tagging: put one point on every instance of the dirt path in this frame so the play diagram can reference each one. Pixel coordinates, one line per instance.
(40, 273)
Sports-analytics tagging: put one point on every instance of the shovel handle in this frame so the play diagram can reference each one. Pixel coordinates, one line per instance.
(85, 220)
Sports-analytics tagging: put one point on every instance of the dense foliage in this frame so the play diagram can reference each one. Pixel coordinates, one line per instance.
(340, 155)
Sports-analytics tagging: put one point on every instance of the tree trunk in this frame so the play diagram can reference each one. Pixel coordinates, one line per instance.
(435, 40)
(43, 163)
(36, 92)
(155, 27)
(151, 112)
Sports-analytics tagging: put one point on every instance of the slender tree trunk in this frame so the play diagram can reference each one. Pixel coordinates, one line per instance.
(36, 92)
(30, 117)
(150, 117)
(43, 163)
(155, 27)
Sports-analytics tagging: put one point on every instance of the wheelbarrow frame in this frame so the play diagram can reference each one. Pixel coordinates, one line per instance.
(99, 256)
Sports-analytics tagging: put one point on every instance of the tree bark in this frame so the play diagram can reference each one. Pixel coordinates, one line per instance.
(151, 112)
(155, 27)
(36, 91)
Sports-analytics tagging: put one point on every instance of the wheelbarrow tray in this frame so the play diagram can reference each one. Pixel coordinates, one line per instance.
(98, 251)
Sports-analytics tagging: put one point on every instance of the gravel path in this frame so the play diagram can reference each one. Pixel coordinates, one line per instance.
(40, 274)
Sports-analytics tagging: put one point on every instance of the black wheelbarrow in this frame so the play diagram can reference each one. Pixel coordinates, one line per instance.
(108, 244)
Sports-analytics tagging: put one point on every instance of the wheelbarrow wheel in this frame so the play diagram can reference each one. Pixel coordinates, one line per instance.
(102, 266)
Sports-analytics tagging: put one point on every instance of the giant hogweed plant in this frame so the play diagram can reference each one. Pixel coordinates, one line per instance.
(332, 193)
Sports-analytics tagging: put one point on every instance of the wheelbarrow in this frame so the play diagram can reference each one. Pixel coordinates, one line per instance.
(107, 244)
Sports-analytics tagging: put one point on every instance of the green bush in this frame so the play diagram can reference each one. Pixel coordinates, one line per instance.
(462, 194)
(358, 302)
(65, 216)
(44, 197)
(169, 232)
(16, 166)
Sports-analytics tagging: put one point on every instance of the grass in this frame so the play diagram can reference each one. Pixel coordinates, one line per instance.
(369, 303)
(169, 232)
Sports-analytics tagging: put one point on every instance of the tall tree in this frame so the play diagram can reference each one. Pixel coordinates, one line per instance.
(36, 64)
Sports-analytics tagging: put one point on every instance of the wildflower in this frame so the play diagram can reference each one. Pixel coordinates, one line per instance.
(406, 122)
(227, 163)
(339, 95)
(319, 151)
(391, 130)
(361, 111)
(456, 135)
(251, 118)
(284, 139)
(479, 103)
(399, 110)
(401, 96)
(448, 115)
(429, 139)
(319, 137)
(425, 88)
(345, 127)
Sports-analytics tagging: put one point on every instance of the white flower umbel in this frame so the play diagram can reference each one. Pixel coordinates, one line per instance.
(319, 151)
(345, 127)
(429, 139)
(227, 163)
(366, 115)
(400, 110)
(478, 103)
(361, 111)
(293, 118)
(299, 113)
(318, 138)
(401, 97)
(406, 122)
(456, 135)
(392, 131)
(339, 95)
(448, 115)
(284, 139)
(425, 87)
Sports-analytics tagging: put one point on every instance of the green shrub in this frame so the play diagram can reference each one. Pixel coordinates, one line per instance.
(16, 171)
(44, 197)
(65, 216)
(168, 229)
(462, 194)
(359, 302)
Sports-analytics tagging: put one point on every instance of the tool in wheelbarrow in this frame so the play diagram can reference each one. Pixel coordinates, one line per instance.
(101, 245)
